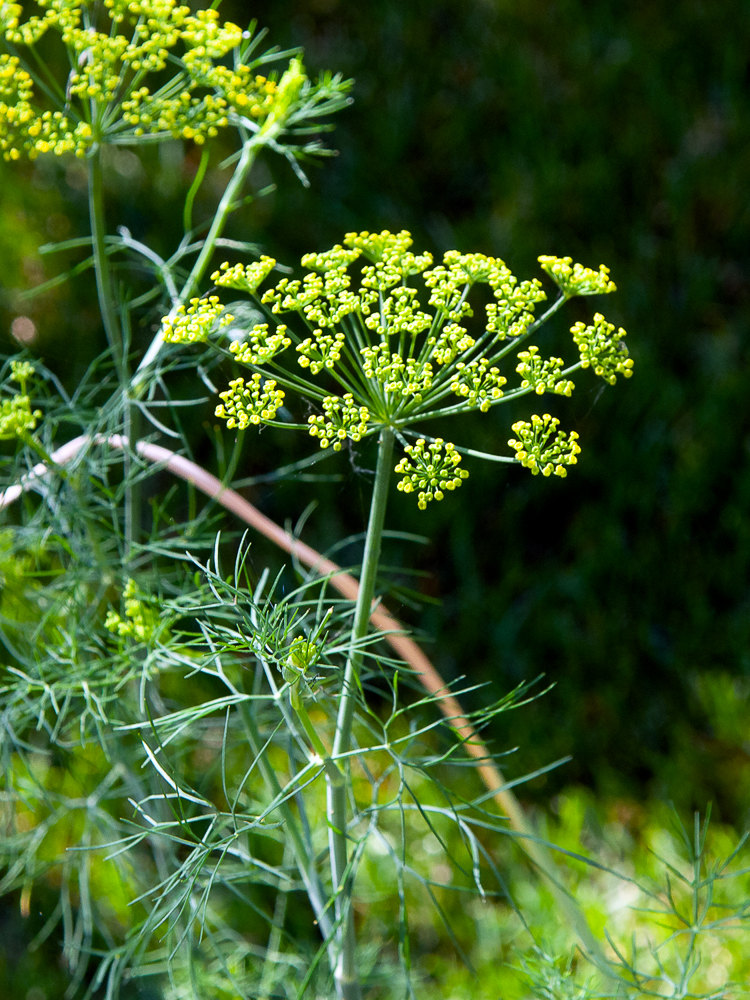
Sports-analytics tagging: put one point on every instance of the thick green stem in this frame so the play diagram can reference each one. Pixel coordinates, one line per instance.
(101, 261)
(227, 203)
(346, 975)
(366, 589)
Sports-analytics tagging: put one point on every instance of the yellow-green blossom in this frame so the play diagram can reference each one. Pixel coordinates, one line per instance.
(106, 98)
(403, 377)
(430, 470)
(254, 403)
(540, 375)
(303, 654)
(575, 279)
(321, 351)
(542, 448)
(244, 279)
(380, 246)
(322, 300)
(401, 314)
(470, 268)
(513, 312)
(452, 341)
(398, 363)
(25, 129)
(16, 416)
(193, 324)
(294, 296)
(333, 259)
(21, 372)
(604, 351)
(140, 621)
(477, 383)
(342, 419)
(260, 345)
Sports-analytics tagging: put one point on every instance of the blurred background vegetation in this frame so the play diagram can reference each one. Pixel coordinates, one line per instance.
(616, 133)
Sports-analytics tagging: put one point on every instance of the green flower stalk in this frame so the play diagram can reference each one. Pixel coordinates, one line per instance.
(385, 362)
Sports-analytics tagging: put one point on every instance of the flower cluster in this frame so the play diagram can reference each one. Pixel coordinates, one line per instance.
(24, 129)
(342, 419)
(294, 296)
(193, 325)
(322, 351)
(401, 314)
(303, 654)
(260, 346)
(16, 416)
(244, 279)
(21, 372)
(513, 313)
(106, 98)
(254, 403)
(398, 363)
(334, 259)
(139, 622)
(323, 301)
(403, 377)
(537, 452)
(477, 383)
(379, 247)
(575, 279)
(542, 375)
(600, 349)
(430, 470)
(453, 340)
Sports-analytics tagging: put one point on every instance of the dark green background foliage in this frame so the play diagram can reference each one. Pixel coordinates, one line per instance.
(616, 133)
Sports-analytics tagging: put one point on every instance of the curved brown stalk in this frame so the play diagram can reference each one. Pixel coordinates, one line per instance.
(405, 647)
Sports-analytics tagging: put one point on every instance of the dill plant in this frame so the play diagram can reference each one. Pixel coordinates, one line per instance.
(395, 367)
(181, 720)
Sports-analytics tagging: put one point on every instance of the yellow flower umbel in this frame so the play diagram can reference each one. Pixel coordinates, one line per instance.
(477, 383)
(575, 279)
(193, 325)
(602, 350)
(115, 49)
(260, 345)
(542, 376)
(430, 470)
(386, 361)
(343, 419)
(16, 416)
(542, 448)
(254, 403)
(140, 621)
(244, 279)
